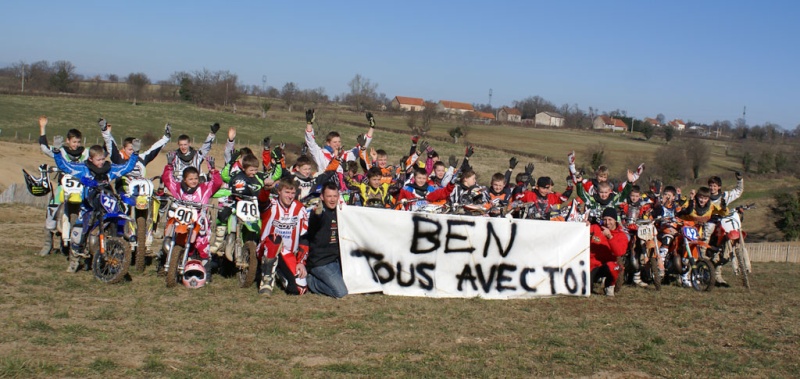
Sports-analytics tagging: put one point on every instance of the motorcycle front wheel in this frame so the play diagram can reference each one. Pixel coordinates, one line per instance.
(247, 273)
(111, 266)
(702, 275)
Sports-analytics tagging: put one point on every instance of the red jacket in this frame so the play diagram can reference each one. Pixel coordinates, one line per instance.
(604, 249)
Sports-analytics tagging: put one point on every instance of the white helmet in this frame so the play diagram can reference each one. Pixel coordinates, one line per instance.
(194, 274)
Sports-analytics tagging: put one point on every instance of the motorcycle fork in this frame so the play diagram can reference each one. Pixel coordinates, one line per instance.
(170, 248)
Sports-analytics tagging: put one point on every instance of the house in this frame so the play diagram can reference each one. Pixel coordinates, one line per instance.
(609, 123)
(549, 119)
(454, 107)
(408, 103)
(482, 116)
(652, 121)
(509, 114)
(678, 124)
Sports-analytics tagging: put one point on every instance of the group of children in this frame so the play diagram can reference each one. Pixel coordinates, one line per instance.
(287, 194)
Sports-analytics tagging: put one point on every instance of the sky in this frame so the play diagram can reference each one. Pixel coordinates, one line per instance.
(694, 60)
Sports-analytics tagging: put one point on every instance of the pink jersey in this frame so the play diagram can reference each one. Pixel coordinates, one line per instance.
(201, 195)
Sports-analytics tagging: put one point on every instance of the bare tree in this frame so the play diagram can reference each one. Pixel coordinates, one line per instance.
(290, 94)
(427, 115)
(362, 93)
(697, 154)
(137, 83)
(64, 76)
(661, 119)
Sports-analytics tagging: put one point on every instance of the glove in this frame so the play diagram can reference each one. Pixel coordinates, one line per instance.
(137, 144)
(58, 142)
(738, 175)
(304, 149)
(512, 163)
(423, 146)
(234, 156)
(103, 125)
(371, 120)
(456, 177)
(529, 168)
(638, 172)
(210, 161)
(277, 152)
(470, 150)
(215, 128)
(414, 139)
(171, 157)
(361, 140)
(266, 142)
(452, 161)
(168, 130)
(310, 116)
(571, 161)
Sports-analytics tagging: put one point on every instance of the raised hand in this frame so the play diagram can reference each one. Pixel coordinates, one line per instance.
(58, 142)
(210, 161)
(414, 139)
(371, 120)
(469, 151)
(266, 142)
(571, 158)
(137, 145)
(361, 140)
(738, 175)
(42, 124)
(638, 172)
(171, 157)
(512, 163)
(215, 128)
(168, 130)
(529, 168)
(373, 154)
(231, 133)
(102, 124)
(423, 146)
(310, 116)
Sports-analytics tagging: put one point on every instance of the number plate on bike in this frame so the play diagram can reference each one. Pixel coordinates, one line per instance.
(646, 232)
(247, 210)
(71, 185)
(184, 215)
(690, 233)
(140, 187)
(109, 203)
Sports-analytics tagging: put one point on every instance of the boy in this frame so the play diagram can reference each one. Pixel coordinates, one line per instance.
(543, 199)
(72, 152)
(188, 156)
(190, 188)
(604, 197)
(333, 143)
(608, 242)
(287, 218)
(417, 190)
(721, 199)
(98, 170)
(635, 208)
(375, 193)
(701, 210)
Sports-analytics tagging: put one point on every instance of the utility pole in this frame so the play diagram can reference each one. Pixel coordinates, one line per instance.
(23, 77)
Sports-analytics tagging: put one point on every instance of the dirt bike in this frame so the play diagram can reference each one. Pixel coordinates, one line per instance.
(181, 232)
(108, 239)
(731, 238)
(423, 206)
(685, 257)
(642, 254)
(244, 226)
(141, 214)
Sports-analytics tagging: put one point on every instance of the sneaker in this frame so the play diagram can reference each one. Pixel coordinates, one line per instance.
(641, 284)
(609, 291)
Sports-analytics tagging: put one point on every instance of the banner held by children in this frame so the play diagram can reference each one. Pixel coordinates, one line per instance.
(416, 254)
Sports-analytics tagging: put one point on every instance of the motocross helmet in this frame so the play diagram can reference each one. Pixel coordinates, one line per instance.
(38, 186)
(194, 274)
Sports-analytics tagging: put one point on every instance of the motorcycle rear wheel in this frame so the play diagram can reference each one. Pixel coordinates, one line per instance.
(112, 265)
(248, 275)
(702, 275)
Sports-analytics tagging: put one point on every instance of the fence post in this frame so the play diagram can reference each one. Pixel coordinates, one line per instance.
(788, 248)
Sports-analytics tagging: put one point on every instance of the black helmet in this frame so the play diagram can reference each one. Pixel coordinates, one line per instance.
(38, 186)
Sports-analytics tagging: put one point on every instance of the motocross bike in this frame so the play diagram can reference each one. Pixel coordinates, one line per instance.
(642, 254)
(108, 239)
(731, 237)
(70, 197)
(141, 214)
(183, 227)
(684, 257)
(244, 226)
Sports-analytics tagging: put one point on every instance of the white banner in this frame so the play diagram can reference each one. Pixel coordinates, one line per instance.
(417, 254)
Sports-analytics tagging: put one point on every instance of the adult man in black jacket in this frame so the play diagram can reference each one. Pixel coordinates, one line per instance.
(324, 273)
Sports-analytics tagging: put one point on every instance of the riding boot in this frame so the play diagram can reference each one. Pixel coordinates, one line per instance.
(685, 280)
(219, 239)
(637, 279)
(74, 262)
(268, 269)
(48, 243)
(718, 279)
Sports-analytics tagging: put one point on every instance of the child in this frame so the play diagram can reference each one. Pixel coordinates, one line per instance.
(543, 199)
(722, 199)
(95, 170)
(608, 242)
(190, 188)
(635, 208)
(375, 193)
(188, 156)
(700, 211)
(418, 190)
(72, 152)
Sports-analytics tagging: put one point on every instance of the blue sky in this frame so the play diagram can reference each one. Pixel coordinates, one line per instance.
(694, 60)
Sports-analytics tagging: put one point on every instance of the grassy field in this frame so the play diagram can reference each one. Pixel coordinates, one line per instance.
(56, 324)
(547, 148)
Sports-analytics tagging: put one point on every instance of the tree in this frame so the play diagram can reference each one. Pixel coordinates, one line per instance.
(362, 93)
(670, 163)
(758, 133)
(112, 78)
(530, 106)
(137, 82)
(661, 119)
(64, 76)
(669, 133)
(289, 94)
(647, 130)
(787, 210)
(411, 121)
(697, 154)
(455, 133)
(597, 155)
(428, 114)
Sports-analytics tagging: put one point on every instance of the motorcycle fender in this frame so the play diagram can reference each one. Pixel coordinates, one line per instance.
(117, 216)
(142, 202)
(253, 226)
(733, 235)
(181, 229)
(74, 198)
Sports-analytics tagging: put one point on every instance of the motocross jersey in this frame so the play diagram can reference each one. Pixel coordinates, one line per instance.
(288, 222)
(192, 158)
(724, 198)
(632, 212)
(374, 197)
(542, 205)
